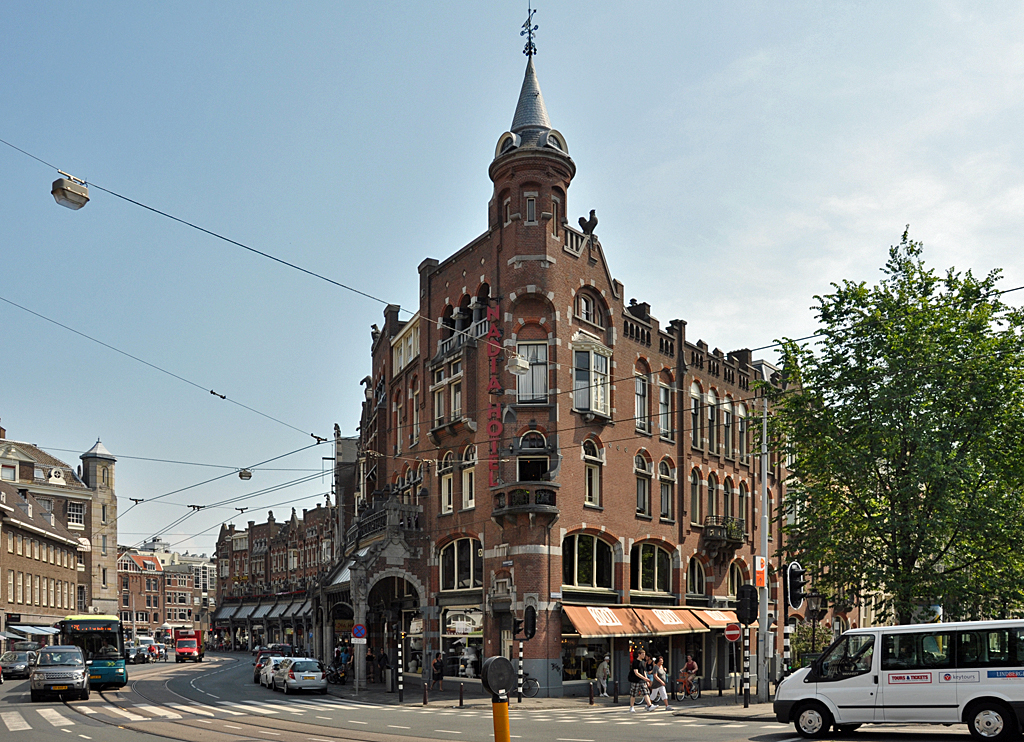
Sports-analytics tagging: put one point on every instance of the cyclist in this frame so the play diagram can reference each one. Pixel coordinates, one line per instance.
(687, 672)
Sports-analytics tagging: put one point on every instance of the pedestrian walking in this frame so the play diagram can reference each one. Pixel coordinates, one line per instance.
(639, 684)
(370, 662)
(437, 672)
(660, 684)
(602, 676)
(383, 665)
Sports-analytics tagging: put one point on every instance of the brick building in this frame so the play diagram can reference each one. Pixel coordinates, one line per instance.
(38, 563)
(84, 500)
(534, 437)
(269, 577)
(161, 592)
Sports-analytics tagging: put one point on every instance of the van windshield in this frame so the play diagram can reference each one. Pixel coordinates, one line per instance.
(186, 643)
(847, 658)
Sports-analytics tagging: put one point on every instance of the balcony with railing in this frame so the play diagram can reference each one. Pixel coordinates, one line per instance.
(389, 518)
(525, 497)
(723, 534)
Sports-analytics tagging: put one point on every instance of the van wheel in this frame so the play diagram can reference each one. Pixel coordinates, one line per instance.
(991, 721)
(813, 721)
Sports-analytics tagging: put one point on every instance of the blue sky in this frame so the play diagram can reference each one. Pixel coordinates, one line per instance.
(740, 157)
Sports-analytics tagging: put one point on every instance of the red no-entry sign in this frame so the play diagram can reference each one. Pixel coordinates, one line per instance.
(732, 632)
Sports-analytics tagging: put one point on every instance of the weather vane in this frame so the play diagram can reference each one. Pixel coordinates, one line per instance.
(528, 28)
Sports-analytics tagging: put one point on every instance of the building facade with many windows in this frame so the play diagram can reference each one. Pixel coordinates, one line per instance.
(534, 438)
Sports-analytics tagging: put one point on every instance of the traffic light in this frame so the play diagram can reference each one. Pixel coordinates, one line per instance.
(796, 579)
(746, 611)
(517, 626)
(529, 622)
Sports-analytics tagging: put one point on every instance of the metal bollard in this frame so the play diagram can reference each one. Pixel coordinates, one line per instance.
(615, 690)
(591, 693)
(462, 687)
(675, 690)
(424, 694)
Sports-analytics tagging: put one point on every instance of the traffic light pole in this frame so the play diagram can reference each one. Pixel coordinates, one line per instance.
(762, 618)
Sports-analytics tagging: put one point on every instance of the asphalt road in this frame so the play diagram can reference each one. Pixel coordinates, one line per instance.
(216, 701)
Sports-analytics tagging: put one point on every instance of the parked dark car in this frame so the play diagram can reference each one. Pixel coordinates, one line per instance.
(261, 660)
(17, 664)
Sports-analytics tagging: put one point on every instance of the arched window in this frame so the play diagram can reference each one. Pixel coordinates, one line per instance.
(727, 505)
(742, 435)
(462, 565)
(741, 511)
(532, 462)
(469, 477)
(696, 417)
(588, 309)
(414, 431)
(712, 509)
(695, 578)
(642, 469)
(586, 561)
(712, 423)
(105, 475)
(695, 481)
(727, 428)
(667, 480)
(446, 470)
(592, 463)
(642, 402)
(650, 569)
(735, 579)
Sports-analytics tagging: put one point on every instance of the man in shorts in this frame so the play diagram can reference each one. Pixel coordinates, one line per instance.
(639, 684)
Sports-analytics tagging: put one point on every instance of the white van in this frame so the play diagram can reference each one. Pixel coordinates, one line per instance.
(970, 672)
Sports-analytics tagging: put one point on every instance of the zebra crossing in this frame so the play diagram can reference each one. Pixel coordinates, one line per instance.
(28, 718)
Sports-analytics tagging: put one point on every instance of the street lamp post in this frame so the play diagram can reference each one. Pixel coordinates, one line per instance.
(814, 599)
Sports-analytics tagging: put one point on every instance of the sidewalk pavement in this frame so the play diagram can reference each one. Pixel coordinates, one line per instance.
(709, 706)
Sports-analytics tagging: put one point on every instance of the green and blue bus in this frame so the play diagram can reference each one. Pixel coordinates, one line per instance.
(101, 639)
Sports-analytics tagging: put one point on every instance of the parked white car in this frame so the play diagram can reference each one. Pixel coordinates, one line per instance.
(267, 673)
(299, 673)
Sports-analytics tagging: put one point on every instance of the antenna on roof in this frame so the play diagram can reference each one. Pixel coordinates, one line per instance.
(528, 28)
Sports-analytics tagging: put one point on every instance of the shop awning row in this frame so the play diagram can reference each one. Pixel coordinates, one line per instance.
(626, 621)
(5, 635)
(34, 630)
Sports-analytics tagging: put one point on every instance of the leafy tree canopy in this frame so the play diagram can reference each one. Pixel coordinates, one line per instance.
(904, 424)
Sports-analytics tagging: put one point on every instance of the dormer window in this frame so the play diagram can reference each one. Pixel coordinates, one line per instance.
(9, 472)
(587, 309)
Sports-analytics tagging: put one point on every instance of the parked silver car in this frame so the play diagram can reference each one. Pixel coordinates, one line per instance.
(61, 671)
(16, 664)
(299, 673)
(269, 668)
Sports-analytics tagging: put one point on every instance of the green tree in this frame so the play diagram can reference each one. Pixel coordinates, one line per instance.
(903, 423)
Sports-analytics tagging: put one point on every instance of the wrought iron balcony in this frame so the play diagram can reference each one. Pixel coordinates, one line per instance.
(391, 516)
(723, 535)
(526, 497)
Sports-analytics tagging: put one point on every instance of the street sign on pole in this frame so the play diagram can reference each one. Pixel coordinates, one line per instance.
(732, 632)
(359, 640)
(359, 632)
(760, 572)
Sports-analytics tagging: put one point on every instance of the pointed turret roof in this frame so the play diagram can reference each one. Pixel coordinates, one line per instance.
(530, 111)
(99, 451)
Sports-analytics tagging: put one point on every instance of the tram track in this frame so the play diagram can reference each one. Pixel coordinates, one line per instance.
(219, 729)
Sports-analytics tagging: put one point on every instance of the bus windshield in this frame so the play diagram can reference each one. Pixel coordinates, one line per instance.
(98, 638)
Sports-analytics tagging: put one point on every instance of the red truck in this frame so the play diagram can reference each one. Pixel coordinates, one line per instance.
(188, 645)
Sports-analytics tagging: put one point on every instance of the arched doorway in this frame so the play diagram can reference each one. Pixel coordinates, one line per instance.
(393, 607)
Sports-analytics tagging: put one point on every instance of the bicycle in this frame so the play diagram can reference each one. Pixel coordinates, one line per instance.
(689, 688)
(531, 686)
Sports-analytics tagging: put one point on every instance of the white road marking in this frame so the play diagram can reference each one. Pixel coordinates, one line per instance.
(55, 718)
(351, 721)
(289, 709)
(190, 709)
(126, 714)
(395, 726)
(68, 731)
(157, 711)
(447, 731)
(265, 731)
(204, 721)
(325, 717)
(15, 722)
(250, 709)
(86, 710)
(232, 726)
(84, 737)
(733, 726)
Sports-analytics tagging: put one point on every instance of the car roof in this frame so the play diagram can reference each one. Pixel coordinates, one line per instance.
(61, 648)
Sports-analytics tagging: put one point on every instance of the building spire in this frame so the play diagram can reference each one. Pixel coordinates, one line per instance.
(528, 28)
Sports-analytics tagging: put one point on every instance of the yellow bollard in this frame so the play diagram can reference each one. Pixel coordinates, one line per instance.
(499, 710)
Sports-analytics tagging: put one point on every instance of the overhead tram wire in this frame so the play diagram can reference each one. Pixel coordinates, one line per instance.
(155, 367)
(170, 461)
(242, 245)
